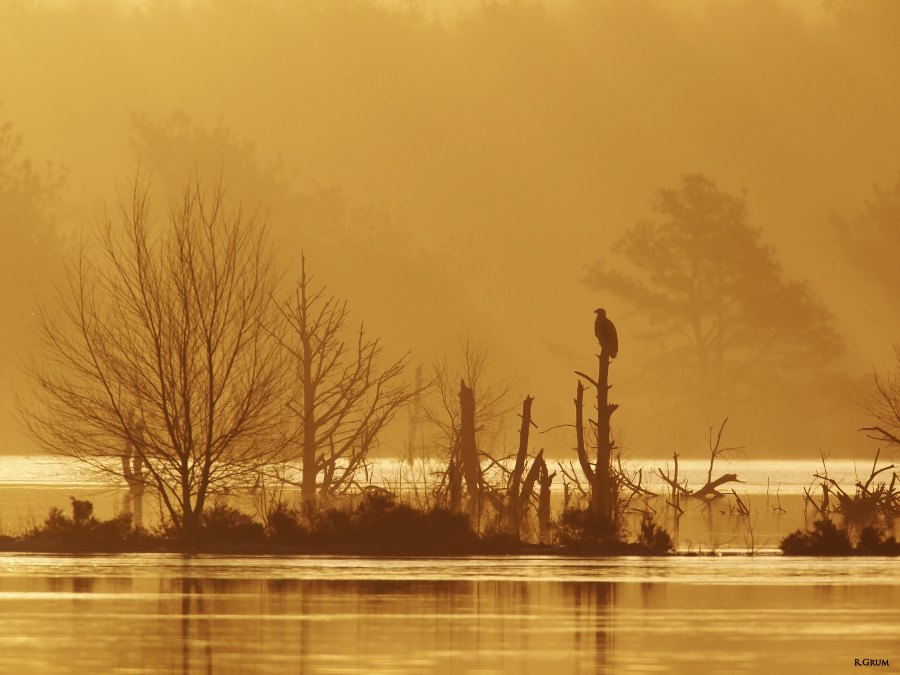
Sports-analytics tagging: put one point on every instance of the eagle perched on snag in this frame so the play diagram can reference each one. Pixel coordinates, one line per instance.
(605, 331)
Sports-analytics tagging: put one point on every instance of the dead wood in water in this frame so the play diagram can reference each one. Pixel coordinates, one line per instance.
(868, 501)
(709, 490)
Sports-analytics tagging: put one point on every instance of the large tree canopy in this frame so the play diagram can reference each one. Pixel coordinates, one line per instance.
(716, 298)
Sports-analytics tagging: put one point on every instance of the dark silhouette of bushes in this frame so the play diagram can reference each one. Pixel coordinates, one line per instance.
(874, 541)
(83, 532)
(654, 537)
(581, 528)
(284, 525)
(224, 524)
(376, 524)
(827, 539)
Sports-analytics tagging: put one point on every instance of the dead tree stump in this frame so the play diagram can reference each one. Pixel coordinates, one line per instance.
(468, 450)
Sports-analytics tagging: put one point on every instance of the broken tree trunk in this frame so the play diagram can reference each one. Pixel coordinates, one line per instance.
(517, 504)
(519, 469)
(517, 493)
(543, 511)
(454, 486)
(601, 495)
(468, 450)
(583, 460)
(530, 480)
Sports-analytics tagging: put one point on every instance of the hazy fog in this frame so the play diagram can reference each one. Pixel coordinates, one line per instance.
(454, 172)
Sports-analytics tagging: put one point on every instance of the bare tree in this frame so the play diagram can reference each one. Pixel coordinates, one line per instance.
(342, 398)
(884, 404)
(468, 405)
(161, 348)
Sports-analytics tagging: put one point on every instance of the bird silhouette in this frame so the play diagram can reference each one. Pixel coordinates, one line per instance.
(605, 331)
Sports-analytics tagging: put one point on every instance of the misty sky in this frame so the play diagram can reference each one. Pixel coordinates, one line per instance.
(453, 168)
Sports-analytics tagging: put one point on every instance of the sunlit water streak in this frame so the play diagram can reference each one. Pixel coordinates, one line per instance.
(166, 613)
(759, 477)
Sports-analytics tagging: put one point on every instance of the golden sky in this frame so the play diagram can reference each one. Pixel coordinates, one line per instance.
(452, 168)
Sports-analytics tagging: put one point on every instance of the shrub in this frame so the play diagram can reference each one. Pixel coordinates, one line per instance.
(654, 537)
(83, 532)
(404, 529)
(378, 524)
(580, 528)
(224, 524)
(873, 541)
(825, 538)
(285, 526)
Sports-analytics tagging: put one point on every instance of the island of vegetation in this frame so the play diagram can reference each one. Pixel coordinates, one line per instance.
(174, 363)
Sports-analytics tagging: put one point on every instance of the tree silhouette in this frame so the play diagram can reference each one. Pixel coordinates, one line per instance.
(343, 398)
(716, 298)
(161, 346)
(466, 411)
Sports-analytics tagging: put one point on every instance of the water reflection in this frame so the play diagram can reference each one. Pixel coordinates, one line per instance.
(329, 615)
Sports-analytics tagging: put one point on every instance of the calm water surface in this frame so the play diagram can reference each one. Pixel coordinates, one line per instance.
(167, 613)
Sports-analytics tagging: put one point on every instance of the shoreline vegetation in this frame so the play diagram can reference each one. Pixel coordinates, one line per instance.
(174, 361)
(376, 525)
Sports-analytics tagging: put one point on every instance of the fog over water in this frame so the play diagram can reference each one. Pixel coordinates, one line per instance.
(453, 169)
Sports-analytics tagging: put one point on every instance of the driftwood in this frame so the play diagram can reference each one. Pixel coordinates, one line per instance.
(708, 490)
(868, 499)
(742, 508)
